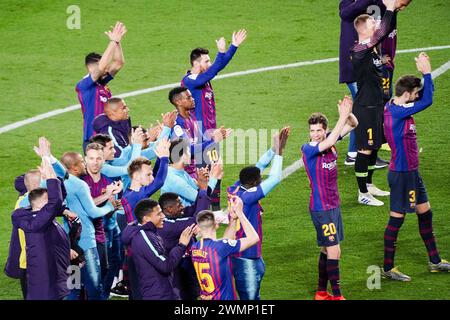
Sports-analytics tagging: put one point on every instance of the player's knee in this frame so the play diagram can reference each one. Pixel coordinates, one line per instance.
(423, 208)
(397, 214)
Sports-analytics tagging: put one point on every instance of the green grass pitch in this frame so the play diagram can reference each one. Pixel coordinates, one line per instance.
(41, 61)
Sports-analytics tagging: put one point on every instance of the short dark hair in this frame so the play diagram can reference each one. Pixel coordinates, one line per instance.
(137, 164)
(360, 20)
(92, 57)
(167, 199)
(94, 146)
(178, 148)
(249, 175)
(197, 53)
(113, 100)
(174, 94)
(205, 216)
(100, 138)
(406, 84)
(317, 118)
(143, 208)
(36, 194)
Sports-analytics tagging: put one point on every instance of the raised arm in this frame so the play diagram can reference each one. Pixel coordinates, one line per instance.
(251, 236)
(345, 109)
(423, 66)
(221, 61)
(118, 59)
(54, 206)
(279, 143)
(382, 31)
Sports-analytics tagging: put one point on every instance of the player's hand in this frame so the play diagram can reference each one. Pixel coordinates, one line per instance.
(202, 178)
(238, 37)
(137, 136)
(385, 59)
(169, 118)
(70, 215)
(221, 45)
(162, 149)
(345, 107)
(46, 169)
(423, 63)
(390, 4)
(118, 187)
(186, 235)
(217, 170)
(236, 206)
(153, 132)
(117, 32)
(221, 134)
(284, 135)
(73, 254)
(196, 230)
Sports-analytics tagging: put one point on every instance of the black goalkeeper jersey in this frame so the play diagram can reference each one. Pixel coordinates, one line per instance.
(367, 66)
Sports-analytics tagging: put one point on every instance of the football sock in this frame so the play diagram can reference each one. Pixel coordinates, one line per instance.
(323, 275)
(333, 276)
(426, 232)
(371, 167)
(390, 239)
(361, 171)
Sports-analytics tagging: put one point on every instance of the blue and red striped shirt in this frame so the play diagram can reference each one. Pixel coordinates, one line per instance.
(92, 96)
(400, 129)
(200, 87)
(97, 189)
(321, 168)
(211, 259)
(188, 128)
(253, 211)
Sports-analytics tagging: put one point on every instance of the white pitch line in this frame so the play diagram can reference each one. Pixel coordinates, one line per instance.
(53, 113)
(296, 165)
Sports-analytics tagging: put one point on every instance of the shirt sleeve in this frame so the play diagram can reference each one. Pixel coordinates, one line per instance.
(157, 184)
(163, 264)
(228, 247)
(85, 83)
(274, 176)
(265, 160)
(311, 149)
(182, 187)
(84, 197)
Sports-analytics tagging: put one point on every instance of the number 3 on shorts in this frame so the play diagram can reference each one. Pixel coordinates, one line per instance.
(329, 229)
(412, 196)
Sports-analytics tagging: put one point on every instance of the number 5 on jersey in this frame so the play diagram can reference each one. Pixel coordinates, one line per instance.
(204, 278)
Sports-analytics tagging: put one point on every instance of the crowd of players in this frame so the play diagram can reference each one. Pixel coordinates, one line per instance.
(116, 240)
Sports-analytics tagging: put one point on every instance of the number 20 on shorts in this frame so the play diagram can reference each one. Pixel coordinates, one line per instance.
(329, 229)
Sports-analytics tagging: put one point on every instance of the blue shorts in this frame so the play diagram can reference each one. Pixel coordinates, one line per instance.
(329, 228)
(407, 191)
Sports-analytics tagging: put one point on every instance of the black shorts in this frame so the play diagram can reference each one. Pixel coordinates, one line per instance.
(329, 228)
(407, 191)
(369, 132)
